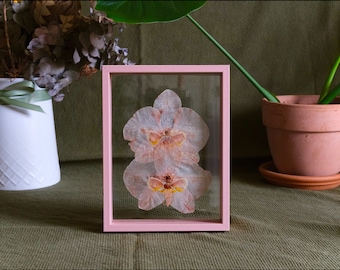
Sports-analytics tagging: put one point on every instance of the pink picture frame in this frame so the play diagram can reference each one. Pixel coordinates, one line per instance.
(205, 88)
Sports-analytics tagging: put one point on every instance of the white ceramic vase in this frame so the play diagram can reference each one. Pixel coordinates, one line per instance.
(28, 147)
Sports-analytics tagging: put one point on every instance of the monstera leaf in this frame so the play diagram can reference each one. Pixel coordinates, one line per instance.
(147, 11)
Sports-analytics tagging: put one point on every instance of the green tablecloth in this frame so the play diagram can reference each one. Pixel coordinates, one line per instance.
(272, 227)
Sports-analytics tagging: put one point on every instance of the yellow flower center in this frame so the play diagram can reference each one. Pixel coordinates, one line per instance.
(168, 137)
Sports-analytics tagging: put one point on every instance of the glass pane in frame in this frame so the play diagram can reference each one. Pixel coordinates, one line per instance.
(142, 192)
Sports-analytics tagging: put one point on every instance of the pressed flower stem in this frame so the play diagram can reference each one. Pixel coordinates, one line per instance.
(262, 90)
(329, 81)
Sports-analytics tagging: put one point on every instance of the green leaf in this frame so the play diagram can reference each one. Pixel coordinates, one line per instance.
(330, 96)
(147, 11)
(329, 81)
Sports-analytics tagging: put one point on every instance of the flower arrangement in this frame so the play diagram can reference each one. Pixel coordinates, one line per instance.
(156, 11)
(166, 139)
(51, 43)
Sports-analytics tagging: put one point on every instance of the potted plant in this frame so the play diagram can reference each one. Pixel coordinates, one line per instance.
(303, 133)
(308, 168)
(51, 43)
(44, 47)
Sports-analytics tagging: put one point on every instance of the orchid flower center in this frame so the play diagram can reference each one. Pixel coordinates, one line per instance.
(167, 185)
(167, 137)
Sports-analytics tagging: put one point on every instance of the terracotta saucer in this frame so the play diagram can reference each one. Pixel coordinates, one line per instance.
(270, 173)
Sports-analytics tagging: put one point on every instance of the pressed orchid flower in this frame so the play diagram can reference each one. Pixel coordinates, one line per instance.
(167, 133)
(177, 187)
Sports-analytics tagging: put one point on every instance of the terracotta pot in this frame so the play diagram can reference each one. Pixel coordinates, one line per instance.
(303, 137)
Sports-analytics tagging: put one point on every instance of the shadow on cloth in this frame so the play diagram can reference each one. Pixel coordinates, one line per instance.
(69, 203)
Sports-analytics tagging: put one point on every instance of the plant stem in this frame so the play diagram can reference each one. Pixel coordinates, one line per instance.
(7, 35)
(263, 91)
(329, 80)
(331, 95)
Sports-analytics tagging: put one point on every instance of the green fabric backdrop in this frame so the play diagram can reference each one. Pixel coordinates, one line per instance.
(288, 46)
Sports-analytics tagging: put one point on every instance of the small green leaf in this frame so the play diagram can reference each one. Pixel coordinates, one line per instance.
(330, 96)
(147, 11)
(328, 83)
